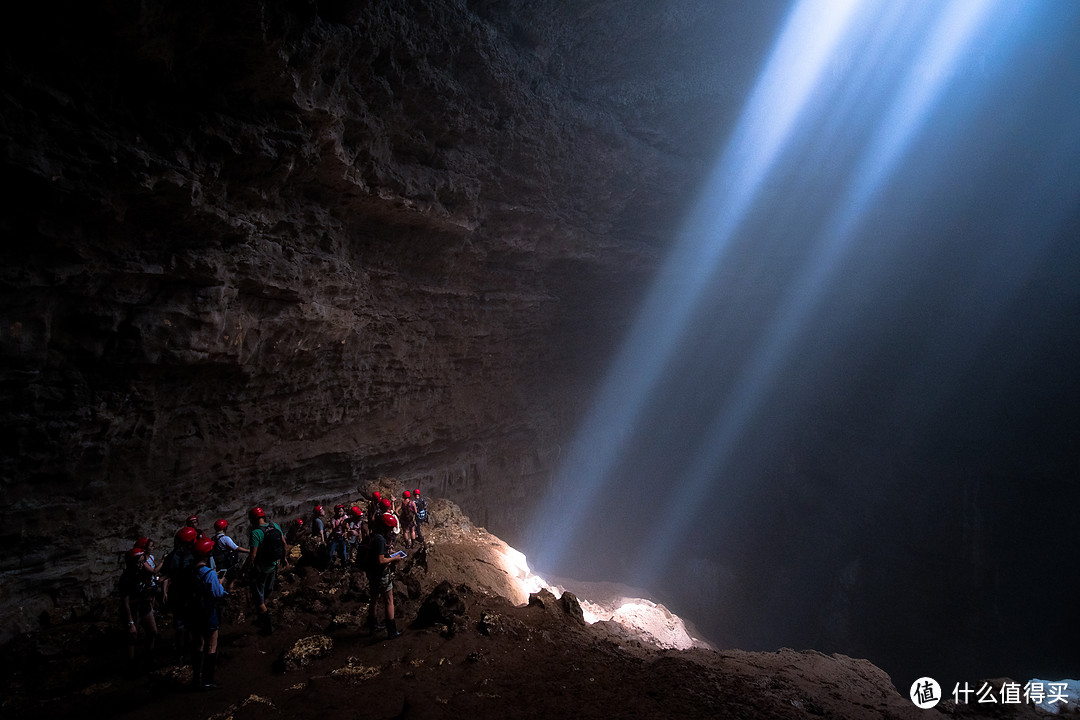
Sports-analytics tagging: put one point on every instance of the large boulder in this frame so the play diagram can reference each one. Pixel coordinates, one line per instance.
(566, 606)
(443, 608)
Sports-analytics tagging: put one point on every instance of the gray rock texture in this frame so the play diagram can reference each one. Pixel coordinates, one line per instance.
(265, 253)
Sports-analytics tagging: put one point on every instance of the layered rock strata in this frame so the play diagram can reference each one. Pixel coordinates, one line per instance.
(265, 253)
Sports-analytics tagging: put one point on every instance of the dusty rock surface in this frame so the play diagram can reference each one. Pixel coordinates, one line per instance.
(494, 659)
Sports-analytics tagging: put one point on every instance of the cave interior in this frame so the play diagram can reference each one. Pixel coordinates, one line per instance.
(269, 253)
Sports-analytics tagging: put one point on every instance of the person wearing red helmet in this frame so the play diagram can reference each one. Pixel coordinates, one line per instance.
(421, 510)
(226, 554)
(320, 552)
(147, 546)
(355, 530)
(388, 507)
(338, 548)
(318, 525)
(379, 569)
(204, 616)
(193, 522)
(177, 588)
(267, 549)
(137, 599)
(374, 509)
(297, 531)
(421, 515)
(407, 516)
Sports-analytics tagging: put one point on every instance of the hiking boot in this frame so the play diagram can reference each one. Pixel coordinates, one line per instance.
(391, 630)
(209, 666)
(197, 666)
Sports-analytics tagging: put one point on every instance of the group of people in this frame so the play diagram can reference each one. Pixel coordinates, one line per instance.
(192, 581)
(350, 528)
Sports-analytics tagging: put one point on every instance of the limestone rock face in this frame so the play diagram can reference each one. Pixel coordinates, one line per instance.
(264, 252)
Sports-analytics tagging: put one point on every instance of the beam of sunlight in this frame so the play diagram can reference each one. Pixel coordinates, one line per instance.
(798, 61)
(929, 67)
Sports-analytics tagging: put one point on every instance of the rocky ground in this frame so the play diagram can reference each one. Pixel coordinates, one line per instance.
(476, 644)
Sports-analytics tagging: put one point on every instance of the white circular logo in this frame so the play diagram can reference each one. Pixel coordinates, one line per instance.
(925, 693)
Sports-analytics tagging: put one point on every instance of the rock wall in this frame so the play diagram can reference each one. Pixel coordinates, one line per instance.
(264, 253)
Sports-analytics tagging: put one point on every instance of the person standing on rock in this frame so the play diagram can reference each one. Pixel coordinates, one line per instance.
(318, 525)
(320, 552)
(205, 618)
(137, 599)
(421, 514)
(154, 567)
(147, 546)
(407, 515)
(380, 574)
(176, 586)
(354, 530)
(268, 548)
(226, 554)
(337, 535)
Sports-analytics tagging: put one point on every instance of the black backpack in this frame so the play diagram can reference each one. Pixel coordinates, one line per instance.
(177, 567)
(224, 558)
(133, 582)
(273, 543)
(421, 509)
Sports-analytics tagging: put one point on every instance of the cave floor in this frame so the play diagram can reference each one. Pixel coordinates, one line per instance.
(495, 660)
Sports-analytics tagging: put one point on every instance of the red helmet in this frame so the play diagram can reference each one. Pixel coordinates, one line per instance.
(405, 494)
(318, 508)
(376, 494)
(186, 534)
(203, 547)
(220, 525)
(357, 511)
(299, 521)
(193, 520)
(386, 503)
(416, 491)
(135, 552)
(256, 513)
(389, 520)
(142, 542)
